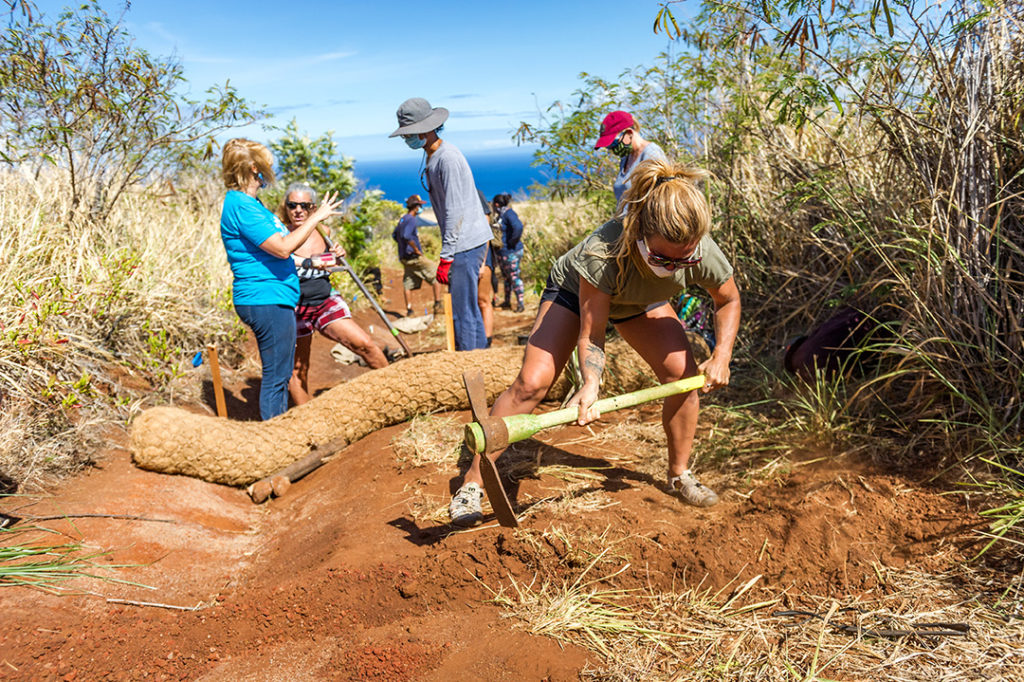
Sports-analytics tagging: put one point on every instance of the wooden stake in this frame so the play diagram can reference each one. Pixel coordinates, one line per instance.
(218, 388)
(449, 321)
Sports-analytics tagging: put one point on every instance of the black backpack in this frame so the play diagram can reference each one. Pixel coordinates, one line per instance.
(829, 345)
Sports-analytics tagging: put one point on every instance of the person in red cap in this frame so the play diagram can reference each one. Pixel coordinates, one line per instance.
(410, 252)
(619, 133)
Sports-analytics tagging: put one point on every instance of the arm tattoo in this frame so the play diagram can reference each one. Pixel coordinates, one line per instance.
(594, 363)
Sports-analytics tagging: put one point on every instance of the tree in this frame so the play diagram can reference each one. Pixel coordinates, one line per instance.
(79, 95)
(372, 216)
(314, 161)
(866, 145)
(317, 163)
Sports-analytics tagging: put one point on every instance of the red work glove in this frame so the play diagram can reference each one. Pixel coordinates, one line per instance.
(442, 270)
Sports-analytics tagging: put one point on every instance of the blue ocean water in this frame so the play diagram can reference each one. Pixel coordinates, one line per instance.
(493, 172)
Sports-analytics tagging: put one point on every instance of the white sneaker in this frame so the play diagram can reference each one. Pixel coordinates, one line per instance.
(687, 488)
(464, 509)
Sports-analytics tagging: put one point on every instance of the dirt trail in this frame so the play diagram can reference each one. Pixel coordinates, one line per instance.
(351, 576)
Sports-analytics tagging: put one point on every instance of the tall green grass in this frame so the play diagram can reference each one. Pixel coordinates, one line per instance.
(907, 203)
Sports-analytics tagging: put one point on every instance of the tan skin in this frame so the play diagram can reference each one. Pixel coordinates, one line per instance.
(419, 254)
(346, 332)
(485, 299)
(283, 246)
(657, 336)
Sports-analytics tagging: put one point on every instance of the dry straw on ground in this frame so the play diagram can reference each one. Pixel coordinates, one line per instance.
(739, 633)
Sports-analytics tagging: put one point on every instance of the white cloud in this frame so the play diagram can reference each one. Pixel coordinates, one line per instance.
(328, 57)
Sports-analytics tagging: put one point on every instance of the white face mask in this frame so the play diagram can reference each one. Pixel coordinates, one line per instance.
(658, 270)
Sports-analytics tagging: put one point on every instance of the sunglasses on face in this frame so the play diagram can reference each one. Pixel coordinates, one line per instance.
(304, 205)
(665, 262)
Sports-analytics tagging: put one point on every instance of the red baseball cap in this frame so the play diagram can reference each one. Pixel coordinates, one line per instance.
(613, 124)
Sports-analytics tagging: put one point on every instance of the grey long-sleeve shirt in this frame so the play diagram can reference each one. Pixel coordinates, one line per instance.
(455, 201)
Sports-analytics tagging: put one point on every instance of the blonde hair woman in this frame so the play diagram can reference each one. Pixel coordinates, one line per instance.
(259, 249)
(625, 272)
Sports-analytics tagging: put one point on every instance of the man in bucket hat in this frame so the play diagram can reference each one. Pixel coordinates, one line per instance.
(464, 229)
(410, 252)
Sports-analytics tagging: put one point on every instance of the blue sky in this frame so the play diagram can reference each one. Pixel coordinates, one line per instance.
(346, 66)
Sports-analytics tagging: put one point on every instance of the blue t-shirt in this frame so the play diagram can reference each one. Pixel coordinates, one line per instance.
(260, 279)
(406, 233)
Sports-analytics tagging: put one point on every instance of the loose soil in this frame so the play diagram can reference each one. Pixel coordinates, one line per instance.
(353, 575)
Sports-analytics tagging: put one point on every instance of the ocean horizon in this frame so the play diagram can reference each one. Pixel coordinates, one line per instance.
(493, 173)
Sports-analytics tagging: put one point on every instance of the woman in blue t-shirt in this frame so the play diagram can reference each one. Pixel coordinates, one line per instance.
(259, 248)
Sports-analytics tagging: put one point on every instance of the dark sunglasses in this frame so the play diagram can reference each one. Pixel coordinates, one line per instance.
(664, 261)
(304, 205)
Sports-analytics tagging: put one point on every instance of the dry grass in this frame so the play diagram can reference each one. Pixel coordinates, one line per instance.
(434, 440)
(739, 633)
(550, 228)
(96, 314)
(424, 506)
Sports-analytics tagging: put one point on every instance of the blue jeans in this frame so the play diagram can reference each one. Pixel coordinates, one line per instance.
(462, 282)
(274, 328)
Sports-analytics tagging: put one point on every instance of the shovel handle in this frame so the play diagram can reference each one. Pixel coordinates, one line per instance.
(344, 265)
(522, 426)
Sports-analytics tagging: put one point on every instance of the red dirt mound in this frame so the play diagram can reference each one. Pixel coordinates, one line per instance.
(349, 577)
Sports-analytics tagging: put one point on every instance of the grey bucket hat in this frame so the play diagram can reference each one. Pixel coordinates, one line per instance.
(415, 116)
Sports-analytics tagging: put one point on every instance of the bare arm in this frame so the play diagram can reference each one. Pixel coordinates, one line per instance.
(282, 246)
(594, 307)
(727, 325)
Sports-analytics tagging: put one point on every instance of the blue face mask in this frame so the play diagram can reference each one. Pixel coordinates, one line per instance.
(260, 179)
(414, 141)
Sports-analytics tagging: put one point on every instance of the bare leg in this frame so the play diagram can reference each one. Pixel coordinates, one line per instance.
(352, 336)
(660, 340)
(484, 294)
(405, 297)
(298, 385)
(551, 342)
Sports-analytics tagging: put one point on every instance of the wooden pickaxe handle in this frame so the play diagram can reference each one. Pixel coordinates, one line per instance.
(277, 483)
(522, 426)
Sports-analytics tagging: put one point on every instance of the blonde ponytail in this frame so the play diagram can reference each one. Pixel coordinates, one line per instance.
(663, 199)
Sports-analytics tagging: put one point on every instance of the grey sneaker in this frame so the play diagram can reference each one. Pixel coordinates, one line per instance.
(687, 488)
(464, 509)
